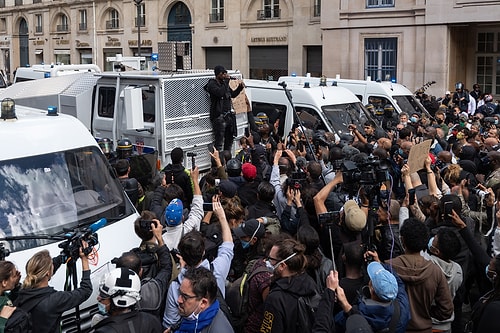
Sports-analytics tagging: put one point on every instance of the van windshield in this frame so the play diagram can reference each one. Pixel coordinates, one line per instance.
(409, 104)
(43, 194)
(341, 115)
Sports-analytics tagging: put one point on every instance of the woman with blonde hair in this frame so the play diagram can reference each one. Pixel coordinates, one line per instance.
(46, 304)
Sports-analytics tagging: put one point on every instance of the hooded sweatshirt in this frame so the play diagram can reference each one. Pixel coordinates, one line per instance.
(453, 273)
(51, 304)
(427, 290)
(280, 308)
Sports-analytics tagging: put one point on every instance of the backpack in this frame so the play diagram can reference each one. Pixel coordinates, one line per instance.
(237, 298)
(149, 259)
(152, 297)
(19, 322)
(306, 310)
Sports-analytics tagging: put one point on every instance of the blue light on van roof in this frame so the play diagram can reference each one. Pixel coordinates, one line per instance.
(393, 80)
(52, 111)
(46, 75)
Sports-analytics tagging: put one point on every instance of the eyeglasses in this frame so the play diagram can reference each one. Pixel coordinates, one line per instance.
(273, 259)
(185, 297)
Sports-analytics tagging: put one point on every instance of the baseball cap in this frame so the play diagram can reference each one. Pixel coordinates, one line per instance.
(355, 218)
(383, 282)
(356, 323)
(249, 171)
(228, 188)
(173, 213)
(251, 228)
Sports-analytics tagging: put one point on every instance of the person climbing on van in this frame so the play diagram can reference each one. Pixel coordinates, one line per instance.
(221, 115)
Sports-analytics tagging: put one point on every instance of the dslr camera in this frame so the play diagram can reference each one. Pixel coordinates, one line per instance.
(296, 180)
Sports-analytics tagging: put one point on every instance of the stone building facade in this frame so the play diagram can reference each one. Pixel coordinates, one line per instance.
(410, 41)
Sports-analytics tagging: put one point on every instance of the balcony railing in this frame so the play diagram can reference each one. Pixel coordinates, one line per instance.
(62, 27)
(216, 17)
(113, 24)
(268, 14)
(142, 21)
(82, 26)
(38, 29)
(317, 10)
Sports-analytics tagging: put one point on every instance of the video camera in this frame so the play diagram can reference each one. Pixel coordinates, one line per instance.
(489, 121)
(328, 218)
(71, 246)
(372, 172)
(296, 180)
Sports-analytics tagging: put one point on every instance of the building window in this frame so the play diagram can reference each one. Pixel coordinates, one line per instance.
(217, 13)
(317, 8)
(381, 58)
(488, 62)
(2, 3)
(379, 3)
(39, 23)
(63, 23)
(114, 21)
(142, 15)
(3, 24)
(83, 20)
(271, 10)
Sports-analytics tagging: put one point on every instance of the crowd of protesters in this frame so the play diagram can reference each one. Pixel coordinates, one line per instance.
(389, 248)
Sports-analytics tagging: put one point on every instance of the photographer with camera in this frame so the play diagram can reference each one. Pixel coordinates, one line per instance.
(45, 304)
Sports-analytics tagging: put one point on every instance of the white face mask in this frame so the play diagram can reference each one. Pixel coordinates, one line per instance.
(194, 315)
(273, 268)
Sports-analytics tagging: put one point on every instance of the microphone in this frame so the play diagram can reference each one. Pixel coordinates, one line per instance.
(97, 225)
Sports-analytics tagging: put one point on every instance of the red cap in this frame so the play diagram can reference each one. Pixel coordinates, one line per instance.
(249, 171)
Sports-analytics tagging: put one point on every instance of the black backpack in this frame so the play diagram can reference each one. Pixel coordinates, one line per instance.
(19, 322)
(306, 310)
(237, 298)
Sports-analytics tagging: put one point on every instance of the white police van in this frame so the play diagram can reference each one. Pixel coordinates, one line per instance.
(55, 184)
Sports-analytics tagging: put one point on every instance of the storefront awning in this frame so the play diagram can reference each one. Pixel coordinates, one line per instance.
(37, 52)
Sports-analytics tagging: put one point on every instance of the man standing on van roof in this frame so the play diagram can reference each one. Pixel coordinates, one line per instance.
(222, 117)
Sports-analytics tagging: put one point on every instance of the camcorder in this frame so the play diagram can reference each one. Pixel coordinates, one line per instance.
(328, 218)
(146, 224)
(372, 172)
(73, 240)
(296, 180)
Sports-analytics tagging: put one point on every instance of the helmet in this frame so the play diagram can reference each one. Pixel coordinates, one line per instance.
(106, 145)
(459, 86)
(123, 286)
(263, 117)
(124, 148)
(233, 167)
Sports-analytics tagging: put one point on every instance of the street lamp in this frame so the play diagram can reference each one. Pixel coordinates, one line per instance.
(138, 4)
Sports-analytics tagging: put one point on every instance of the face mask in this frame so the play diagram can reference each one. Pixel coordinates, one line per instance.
(194, 315)
(413, 119)
(102, 308)
(269, 266)
(439, 121)
(491, 275)
(429, 245)
(244, 244)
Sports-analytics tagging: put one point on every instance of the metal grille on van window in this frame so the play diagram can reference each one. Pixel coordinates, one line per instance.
(186, 96)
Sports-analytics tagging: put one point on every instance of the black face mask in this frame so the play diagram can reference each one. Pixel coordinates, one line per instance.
(439, 121)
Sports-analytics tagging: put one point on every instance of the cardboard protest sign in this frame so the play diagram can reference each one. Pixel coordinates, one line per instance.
(418, 155)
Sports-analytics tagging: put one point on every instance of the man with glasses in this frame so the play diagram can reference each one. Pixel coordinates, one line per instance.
(198, 304)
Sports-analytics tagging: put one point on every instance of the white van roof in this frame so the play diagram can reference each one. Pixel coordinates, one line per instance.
(326, 95)
(390, 88)
(52, 133)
